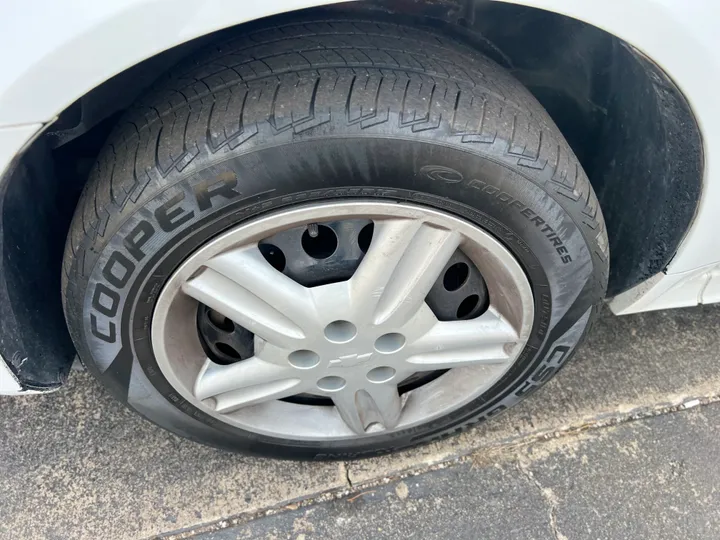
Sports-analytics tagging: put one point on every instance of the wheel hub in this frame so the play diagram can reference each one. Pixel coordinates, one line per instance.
(327, 253)
(346, 315)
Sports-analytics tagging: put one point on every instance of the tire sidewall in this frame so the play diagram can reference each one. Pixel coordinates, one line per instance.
(119, 279)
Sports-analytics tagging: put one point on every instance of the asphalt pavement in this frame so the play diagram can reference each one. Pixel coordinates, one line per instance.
(621, 444)
(656, 478)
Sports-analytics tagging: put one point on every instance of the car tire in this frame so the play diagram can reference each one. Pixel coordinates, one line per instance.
(317, 112)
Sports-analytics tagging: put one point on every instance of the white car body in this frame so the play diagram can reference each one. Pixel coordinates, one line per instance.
(72, 46)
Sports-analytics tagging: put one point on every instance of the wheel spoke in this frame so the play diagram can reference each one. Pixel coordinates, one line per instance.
(244, 383)
(241, 285)
(488, 339)
(376, 405)
(404, 260)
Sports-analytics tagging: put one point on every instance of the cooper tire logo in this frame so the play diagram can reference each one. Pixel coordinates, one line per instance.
(442, 174)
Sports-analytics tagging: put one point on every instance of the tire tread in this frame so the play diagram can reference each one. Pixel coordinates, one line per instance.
(300, 76)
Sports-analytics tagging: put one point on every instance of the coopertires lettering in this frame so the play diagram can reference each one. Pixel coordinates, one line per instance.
(446, 174)
(527, 213)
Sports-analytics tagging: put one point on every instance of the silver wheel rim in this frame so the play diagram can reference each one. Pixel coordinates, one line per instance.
(352, 341)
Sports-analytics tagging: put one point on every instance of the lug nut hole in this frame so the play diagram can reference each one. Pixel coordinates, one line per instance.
(227, 350)
(331, 383)
(456, 276)
(340, 331)
(274, 256)
(321, 244)
(220, 321)
(365, 237)
(467, 306)
(389, 343)
(380, 374)
(303, 359)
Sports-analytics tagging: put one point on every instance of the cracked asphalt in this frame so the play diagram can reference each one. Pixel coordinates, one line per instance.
(621, 444)
(655, 478)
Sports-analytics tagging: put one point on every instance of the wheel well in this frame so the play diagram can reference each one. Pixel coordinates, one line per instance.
(628, 123)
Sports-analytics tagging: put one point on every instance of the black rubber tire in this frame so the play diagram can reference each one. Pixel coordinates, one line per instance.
(317, 110)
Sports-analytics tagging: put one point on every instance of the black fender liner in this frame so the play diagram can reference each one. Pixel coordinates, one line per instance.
(34, 340)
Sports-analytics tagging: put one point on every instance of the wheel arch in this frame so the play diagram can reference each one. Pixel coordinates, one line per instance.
(642, 243)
